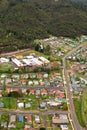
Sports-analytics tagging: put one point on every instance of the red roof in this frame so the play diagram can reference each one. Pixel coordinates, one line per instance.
(26, 128)
(62, 95)
(16, 89)
(29, 118)
(40, 75)
(44, 91)
(0, 94)
(32, 90)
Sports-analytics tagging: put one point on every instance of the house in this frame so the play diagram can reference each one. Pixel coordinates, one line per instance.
(41, 82)
(30, 83)
(15, 76)
(27, 105)
(37, 119)
(33, 75)
(23, 81)
(27, 127)
(61, 95)
(36, 82)
(24, 76)
(20, 118)
(64, 127)
(15, 82)
(8, 81)
(51, 92)
(1, 104)
(60, 100)
(45, 75)
(4, 60)
(20, 105)
(44, 92)
(8, 90)
(29, 119)
(24, 91)
(2, 82)
(53, 103)
(0, 94)
(83, 80)
(3, 75)
(32, 91)
(61, 119)
(16, 89)
(4, 124)
(47, 83)
(12, 118)
(42, 105)
(37, 92)
(40, 75)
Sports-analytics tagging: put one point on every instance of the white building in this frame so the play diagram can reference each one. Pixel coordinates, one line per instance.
(17, 63)
(44, 60)
(4, 60)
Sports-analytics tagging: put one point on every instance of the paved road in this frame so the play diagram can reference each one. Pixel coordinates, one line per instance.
(69, 93)
(35, 87)
(18, 112)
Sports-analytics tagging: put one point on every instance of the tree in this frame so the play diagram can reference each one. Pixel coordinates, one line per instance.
(15, 94)
(47, 49)
(42, 128)
(37, 47)
(65, 106)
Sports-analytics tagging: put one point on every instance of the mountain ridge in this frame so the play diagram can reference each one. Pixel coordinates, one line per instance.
(22, 21)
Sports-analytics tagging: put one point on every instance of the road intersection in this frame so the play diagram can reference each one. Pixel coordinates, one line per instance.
(71, 109)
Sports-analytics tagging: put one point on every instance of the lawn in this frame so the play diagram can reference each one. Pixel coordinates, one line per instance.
(78, 108)
(6, 67)
(9, 102)
(19, 125)
(85, 102)
(35, 105)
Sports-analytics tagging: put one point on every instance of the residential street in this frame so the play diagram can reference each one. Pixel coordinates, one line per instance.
(69, 93)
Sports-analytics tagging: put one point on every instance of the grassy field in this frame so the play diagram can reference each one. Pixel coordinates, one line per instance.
(78, 108)
(85, 102)
(6, 67)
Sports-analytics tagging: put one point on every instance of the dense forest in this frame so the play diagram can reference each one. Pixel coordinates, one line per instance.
(22, 21)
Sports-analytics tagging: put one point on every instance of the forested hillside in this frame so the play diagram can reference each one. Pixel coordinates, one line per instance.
(22, 21)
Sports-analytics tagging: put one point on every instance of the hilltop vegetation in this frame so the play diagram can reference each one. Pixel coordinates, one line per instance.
(22, 21)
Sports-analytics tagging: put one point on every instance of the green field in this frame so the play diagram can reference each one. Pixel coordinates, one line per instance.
(85, 102)
(6, 67)
(78, 108)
